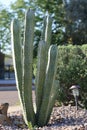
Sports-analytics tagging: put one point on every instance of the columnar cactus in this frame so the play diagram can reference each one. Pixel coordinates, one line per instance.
(46, 85)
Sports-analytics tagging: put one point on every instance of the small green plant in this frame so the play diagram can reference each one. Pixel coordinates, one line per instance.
(30, 126)
(46, 85)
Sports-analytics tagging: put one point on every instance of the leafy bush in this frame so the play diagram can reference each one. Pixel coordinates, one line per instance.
(72, 70)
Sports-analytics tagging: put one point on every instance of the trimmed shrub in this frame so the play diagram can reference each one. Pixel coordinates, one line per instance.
(72, 70)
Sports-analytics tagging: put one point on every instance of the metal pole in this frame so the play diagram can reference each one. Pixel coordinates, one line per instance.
(76, 102)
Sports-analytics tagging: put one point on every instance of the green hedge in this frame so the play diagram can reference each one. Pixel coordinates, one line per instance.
(72, 70)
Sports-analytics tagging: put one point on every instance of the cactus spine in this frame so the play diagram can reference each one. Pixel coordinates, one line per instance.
(46, 85)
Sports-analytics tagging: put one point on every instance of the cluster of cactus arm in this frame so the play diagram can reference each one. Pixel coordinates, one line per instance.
(46, 85)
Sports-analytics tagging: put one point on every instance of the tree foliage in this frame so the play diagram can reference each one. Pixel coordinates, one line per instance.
(69, 20)
(5, 19)
(76, 21)
(56, 9)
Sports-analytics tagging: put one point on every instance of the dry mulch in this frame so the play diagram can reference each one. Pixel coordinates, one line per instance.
(62, 118)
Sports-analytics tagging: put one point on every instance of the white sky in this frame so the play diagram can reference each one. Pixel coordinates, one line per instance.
(6, 2)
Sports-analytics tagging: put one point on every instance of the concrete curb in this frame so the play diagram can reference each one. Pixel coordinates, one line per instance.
(8, 88)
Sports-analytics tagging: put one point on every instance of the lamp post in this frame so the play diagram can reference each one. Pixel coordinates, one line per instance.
(75, 92)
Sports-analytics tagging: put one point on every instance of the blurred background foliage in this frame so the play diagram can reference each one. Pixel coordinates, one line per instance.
(72, 70)
(69, 20)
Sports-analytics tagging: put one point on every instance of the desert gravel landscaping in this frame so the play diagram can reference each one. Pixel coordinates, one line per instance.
(62, 118)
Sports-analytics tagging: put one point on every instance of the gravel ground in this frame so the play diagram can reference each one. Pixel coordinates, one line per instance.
(62, 118)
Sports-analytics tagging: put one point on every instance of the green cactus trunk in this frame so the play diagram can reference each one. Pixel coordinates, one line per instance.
(23, 64)
(46, 33)
(53, 97)
(28, 62)
(42, 61)
(17, 56)
(40, 77)
(46, 85)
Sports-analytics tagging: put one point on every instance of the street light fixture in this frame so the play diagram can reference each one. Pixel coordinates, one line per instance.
(75, 92)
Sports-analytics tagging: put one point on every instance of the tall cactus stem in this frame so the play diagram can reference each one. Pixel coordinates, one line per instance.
(28, 62)
(46, 33)
(17, 56)
(50, 77)
(41, 72)
(44, 29)
(42, 56)
(53, 97)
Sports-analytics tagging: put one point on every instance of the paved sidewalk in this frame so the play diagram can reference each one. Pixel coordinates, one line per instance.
(9, 94)
(10, 97)
(14, 108)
